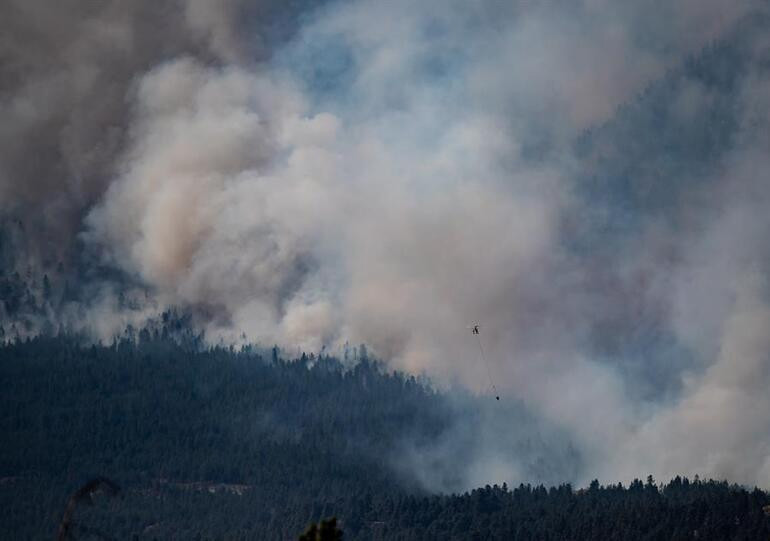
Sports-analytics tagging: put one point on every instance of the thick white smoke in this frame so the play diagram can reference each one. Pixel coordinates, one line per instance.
(397, 171)
(224, 204)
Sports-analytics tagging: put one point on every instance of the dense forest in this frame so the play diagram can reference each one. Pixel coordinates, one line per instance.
(217, 443)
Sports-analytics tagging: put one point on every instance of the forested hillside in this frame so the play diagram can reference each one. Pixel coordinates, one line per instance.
(158, 416)
(225, 444)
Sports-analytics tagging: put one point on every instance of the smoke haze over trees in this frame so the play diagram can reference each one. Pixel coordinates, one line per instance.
(588, 180)
(224, 444)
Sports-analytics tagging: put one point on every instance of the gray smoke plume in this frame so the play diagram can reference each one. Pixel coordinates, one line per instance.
(67, 72)
(587, 180)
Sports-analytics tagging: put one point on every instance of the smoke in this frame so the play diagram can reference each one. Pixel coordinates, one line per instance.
(720, 311)
(580, 178)
(66, 78)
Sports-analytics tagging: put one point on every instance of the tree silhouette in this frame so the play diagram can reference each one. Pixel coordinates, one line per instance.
(325, 531)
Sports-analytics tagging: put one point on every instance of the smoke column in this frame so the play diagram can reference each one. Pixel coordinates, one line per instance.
(389, 172)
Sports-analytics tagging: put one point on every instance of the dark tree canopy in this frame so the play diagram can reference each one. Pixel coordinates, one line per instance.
(224, 444)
